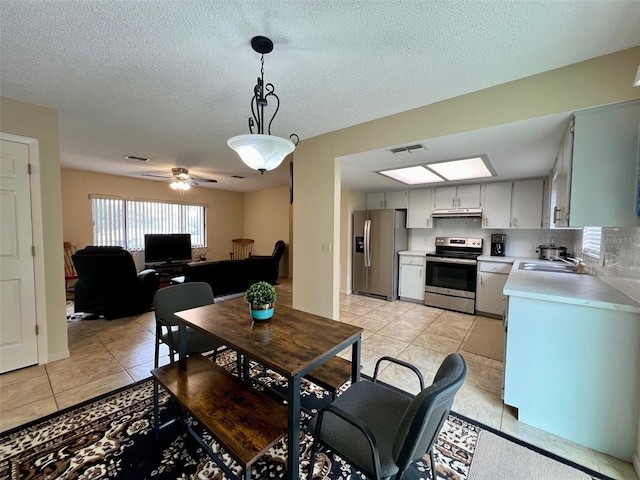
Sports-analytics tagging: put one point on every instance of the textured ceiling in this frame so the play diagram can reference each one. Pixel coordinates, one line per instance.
(172, 80)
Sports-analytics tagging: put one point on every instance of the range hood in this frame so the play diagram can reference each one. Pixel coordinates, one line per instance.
(456, 212)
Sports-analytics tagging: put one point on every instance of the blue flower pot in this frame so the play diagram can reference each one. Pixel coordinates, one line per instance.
(261, 314)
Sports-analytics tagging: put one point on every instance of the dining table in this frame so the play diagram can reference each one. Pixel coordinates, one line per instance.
(292, 343)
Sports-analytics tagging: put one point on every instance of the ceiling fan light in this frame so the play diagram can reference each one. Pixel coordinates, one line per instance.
(261, 152)
(174, 185)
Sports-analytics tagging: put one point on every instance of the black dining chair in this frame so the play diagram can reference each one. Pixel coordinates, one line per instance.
(173, 299)
(379, 429)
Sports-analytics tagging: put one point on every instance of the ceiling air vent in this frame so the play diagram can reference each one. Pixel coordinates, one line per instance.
(237, 176)
(407, 149)
(137, 159)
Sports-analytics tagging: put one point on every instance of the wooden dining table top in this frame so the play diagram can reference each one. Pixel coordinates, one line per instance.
(290, 342)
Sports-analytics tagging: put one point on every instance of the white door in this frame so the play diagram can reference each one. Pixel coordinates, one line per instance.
(18, 339)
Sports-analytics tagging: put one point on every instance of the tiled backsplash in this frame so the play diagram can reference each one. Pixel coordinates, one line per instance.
(621, 250)
(519, 243)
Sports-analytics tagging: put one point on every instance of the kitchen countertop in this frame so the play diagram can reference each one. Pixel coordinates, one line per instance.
(491, 258)
(569, 288)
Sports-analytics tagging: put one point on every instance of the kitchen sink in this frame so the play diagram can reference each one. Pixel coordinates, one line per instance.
(548, 267)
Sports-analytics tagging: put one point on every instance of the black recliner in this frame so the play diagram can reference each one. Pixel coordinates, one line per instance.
(278, 251)
(108, 284)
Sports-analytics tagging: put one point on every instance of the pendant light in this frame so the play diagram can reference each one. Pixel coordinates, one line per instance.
(262, 151)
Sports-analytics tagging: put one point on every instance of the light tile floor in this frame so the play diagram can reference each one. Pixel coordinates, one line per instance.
(106, 355)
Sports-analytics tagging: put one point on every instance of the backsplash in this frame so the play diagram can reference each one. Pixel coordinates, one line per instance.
(621, 250)
(519, 243)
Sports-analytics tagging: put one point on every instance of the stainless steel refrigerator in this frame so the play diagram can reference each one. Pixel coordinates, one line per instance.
(378, 236)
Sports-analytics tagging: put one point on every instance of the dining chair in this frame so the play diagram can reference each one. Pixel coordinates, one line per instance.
(380, 429)
(241, 248)
(70, 273)
(173, 299)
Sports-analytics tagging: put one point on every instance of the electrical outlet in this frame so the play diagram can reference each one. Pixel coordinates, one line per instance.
(326, 247)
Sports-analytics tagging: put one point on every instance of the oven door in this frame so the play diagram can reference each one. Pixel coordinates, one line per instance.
(451, 276)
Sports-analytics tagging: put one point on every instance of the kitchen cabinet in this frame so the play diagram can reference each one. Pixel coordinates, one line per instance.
(496, 205)
(561, 182)
(411, 282)
(392, 200)
(515, 204)
(526, 203)
(604, 173)
(419, 208)
(463, 196)
(492, 277)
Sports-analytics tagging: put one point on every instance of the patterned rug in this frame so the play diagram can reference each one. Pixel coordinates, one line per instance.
(112, 437)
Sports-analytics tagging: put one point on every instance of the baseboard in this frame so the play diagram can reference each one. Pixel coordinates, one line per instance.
(58, 356)
(636, 462)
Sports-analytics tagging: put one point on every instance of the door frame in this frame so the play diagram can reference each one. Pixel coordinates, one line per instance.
(38, 240)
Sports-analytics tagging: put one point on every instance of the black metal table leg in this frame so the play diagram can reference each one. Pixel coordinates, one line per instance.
(293, 431)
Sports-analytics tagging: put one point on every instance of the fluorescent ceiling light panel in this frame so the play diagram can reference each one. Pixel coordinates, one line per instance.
(412, 175)
(461, 169)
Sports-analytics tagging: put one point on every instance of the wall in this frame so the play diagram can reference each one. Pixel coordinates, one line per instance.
(41, 123)
(266, 219)
(350, 201)
(587, 84)
(225, 212)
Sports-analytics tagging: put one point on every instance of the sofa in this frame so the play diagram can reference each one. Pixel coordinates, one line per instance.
(109, 285)
(227, 277)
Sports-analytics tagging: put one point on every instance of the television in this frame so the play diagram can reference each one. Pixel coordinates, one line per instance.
(167, 247)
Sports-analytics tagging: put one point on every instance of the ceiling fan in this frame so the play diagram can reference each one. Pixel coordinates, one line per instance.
(181, 179)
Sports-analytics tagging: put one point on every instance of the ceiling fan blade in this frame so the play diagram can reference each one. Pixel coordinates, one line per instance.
(151, 175)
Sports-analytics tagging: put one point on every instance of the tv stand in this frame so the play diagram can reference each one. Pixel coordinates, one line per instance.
(168, 270)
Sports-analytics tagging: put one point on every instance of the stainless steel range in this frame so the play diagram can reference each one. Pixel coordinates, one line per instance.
(451, 274)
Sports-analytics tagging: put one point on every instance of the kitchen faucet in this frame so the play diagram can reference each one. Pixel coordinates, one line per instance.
(576, 262)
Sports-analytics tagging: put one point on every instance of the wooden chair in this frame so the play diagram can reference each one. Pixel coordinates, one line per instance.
(69, 269)
(242, 248)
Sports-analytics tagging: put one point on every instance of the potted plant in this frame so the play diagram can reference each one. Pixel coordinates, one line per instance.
(261, 296)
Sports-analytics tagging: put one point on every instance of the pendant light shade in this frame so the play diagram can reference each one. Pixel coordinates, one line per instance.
(261, 152)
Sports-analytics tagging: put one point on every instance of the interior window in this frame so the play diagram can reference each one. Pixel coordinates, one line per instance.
(591, 239)
(117, 221)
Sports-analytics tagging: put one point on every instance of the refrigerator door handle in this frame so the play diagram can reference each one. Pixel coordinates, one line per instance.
(367, 243)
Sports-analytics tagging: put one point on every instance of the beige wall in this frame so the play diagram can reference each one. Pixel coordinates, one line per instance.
(350, 201)
(24, 119)
(595, 82)
(225, 212)
(266, 220)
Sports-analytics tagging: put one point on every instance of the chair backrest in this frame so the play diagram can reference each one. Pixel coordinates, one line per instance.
(70, 249)
(175, 298)
(424, 417)
(241, 248)
(99, 266)
(278, 250)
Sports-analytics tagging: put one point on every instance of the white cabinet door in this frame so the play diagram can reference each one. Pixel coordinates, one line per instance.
(395, 199)
(468, 196)
(489, 297)
(464, 196)
(444, 198)
(604, 175)
(375, 201)
(496, 205)
(411, 284)
(419, 209)
(526, 203)
(561, 182)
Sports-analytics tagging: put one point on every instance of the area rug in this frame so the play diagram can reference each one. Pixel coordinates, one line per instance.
(486, 339)
(112, 437)
(497, 458)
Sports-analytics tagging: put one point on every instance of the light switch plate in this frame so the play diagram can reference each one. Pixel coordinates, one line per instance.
(326, 247)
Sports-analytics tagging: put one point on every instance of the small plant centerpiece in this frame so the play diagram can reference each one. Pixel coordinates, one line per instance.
(261, 296)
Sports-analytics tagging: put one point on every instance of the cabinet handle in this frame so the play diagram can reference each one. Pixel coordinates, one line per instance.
(480, 279)
(453, 202)
(515, 222)
(556, 210)
(485, 221)
(458, 202)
